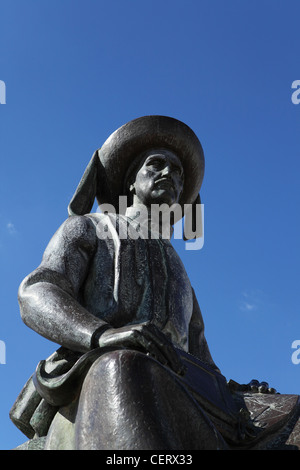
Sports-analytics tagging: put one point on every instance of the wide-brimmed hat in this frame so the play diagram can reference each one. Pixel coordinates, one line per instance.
(105, 175)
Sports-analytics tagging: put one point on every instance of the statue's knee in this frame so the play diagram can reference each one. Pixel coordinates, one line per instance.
(120, 363)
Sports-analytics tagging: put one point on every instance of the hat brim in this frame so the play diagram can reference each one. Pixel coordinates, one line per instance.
(121, 149)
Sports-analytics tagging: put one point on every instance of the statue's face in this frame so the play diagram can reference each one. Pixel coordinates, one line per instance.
(159, 178)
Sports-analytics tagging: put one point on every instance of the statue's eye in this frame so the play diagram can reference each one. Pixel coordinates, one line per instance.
(156, 163)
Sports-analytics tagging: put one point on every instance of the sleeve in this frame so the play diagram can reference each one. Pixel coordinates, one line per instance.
(48, 296)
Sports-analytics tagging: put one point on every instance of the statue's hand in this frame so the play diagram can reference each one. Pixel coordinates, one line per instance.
(254, 386)
(260, 387)
(146, 338)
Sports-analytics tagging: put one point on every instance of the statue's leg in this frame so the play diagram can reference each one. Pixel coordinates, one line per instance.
(130, 402)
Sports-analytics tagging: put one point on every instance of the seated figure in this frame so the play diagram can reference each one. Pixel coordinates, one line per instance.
(133, 370)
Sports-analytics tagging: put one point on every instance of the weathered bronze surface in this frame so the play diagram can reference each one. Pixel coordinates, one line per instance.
(133, 370)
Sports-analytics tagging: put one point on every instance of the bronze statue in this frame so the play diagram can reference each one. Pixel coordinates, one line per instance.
(133, 370)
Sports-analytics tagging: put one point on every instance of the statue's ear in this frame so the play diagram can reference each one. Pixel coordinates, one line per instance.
(85, 194)
(193, 221)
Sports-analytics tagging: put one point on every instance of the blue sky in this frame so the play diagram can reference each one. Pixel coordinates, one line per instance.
(74, 72)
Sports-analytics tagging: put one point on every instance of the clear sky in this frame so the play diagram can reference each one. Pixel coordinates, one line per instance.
(76, 70)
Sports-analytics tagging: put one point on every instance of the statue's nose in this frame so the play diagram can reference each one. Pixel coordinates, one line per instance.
(166, 171)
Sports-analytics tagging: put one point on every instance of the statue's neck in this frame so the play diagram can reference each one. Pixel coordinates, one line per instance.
(152, 219)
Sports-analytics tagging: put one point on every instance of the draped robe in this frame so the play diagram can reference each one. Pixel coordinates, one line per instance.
(119, 281)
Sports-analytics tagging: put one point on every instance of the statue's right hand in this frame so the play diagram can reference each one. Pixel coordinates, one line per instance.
(146, 338)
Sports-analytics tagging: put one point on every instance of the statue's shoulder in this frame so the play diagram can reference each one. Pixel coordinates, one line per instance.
(76, 227)
(77, 230)
(106, 227)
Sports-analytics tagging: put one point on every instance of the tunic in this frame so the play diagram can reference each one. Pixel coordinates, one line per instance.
(118, 281)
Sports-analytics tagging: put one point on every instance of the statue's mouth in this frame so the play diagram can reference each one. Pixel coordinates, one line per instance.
(167, 181)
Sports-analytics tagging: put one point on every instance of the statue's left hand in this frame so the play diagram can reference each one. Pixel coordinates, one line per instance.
(254, 387)
(260, 387)
(146, 338)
